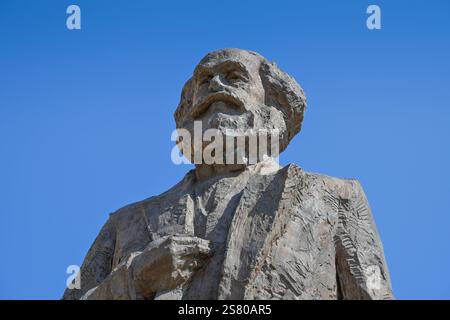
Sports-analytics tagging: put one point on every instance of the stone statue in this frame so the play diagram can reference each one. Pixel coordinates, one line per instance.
(241, 230)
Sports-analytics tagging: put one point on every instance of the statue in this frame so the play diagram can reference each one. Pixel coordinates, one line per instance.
(240, 230)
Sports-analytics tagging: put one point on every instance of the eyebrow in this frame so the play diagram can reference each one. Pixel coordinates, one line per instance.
(201, 69)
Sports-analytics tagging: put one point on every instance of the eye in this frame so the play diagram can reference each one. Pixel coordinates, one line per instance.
(202, 80)
(235, 76)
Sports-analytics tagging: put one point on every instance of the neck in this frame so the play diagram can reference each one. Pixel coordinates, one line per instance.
(204, 171)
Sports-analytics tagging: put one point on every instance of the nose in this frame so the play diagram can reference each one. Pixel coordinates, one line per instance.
(215, 83)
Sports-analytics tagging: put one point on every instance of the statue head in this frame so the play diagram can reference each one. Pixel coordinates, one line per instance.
(234, 89)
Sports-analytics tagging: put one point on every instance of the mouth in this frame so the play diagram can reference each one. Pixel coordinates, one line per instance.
(228, 99)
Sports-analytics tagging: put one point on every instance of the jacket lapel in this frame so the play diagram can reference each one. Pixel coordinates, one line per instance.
(261, 216)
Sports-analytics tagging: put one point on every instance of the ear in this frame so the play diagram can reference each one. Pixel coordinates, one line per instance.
(283, 93)
(185, 103)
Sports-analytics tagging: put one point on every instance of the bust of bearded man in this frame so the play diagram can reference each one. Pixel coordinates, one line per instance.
(240, 229)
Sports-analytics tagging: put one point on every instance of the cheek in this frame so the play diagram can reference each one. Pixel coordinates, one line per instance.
(276, 119)
(256, 90)
(249, 93)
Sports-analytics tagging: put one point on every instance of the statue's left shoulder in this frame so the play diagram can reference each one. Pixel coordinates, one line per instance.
(361, 265)
(339, 187)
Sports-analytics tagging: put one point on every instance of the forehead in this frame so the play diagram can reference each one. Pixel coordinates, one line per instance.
(227, 60)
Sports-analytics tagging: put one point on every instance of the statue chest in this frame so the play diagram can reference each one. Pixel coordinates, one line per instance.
(272, 237)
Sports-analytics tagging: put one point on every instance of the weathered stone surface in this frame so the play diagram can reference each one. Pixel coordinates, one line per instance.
(241, 231)
(158, 271)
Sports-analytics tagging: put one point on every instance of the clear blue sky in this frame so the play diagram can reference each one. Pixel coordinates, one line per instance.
(86, 118)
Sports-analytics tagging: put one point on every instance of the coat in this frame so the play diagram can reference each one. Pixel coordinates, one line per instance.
(284, 235)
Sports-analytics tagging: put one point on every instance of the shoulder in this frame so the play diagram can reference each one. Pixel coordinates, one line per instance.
(128, 212)
(342, 188)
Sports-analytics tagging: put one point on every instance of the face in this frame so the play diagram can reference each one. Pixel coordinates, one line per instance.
(226, 91)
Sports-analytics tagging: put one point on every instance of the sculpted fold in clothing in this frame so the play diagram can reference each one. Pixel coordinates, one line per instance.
(241, 232)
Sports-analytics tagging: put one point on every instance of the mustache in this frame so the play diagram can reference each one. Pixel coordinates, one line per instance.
(224, 96)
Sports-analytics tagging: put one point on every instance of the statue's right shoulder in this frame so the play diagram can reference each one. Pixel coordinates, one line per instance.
(172, 194)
